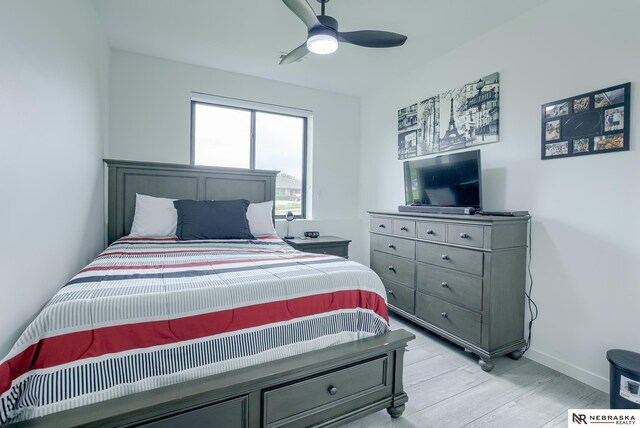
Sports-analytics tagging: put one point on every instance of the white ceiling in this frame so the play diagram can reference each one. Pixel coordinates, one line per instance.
(248, 36)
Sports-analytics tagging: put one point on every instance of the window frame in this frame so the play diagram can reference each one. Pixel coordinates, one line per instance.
(253, 108)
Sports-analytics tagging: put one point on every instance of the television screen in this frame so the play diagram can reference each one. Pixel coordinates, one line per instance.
(449, 180)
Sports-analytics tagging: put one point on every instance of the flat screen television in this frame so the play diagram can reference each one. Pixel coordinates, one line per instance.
(452, 180)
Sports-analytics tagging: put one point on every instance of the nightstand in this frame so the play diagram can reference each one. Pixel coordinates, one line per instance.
(322, 245)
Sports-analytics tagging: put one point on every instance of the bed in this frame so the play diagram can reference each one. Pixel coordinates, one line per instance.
(222, 332)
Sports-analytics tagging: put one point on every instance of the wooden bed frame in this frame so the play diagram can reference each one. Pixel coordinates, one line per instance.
(327, 387)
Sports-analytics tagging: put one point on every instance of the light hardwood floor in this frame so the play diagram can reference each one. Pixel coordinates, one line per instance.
(448, 389)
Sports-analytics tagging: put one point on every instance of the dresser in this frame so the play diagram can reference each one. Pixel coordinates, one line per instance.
(460, 276)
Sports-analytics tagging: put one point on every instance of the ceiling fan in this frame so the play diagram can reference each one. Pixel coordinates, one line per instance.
(324, 36)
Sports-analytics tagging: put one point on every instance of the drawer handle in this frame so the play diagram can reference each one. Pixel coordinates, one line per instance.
(445, 285)
(390, 292)
(393, 247)
(444, 315)
(429, 231)
(392, 269)
(404, 229)
(333, 390)
(382, 226)
(463, 235)
(445, 257)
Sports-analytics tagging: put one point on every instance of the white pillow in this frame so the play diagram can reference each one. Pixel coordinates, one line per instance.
(260, 216)
(154, 217)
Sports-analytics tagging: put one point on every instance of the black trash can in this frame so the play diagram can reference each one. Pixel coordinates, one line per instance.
(624, 379)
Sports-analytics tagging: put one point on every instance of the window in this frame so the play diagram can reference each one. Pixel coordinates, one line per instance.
(246, 135)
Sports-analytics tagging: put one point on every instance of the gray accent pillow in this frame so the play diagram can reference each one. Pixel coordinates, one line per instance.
(212, 219)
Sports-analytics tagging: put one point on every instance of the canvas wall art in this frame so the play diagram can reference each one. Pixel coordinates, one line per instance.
(407, 131)
(462, 117)
(587, 124)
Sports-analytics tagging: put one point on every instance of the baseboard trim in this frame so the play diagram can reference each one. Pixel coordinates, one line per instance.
(563, 367)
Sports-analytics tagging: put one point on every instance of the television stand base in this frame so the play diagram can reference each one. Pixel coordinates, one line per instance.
(435, 209)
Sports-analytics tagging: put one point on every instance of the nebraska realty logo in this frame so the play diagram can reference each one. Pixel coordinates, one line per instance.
(582, 417)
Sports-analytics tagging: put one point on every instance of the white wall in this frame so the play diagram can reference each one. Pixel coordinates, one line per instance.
(585, 226)
(53, 89)
(150, 118)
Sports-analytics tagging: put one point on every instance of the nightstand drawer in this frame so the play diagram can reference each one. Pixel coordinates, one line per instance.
(293, 403)
(394, 268)
(431, 230)
(327, 244)
(381, 224)
(396, 246)
(399, 296)
(454, 319)
(461, 234)
(461, 259)
(404, 228)
(449, 285)
(336, 250)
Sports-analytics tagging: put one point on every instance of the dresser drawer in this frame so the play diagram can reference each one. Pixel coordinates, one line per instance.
(399, 296)
(404, 228)
(431, 230)
(454, 319)
(232, 413)
(461, 259)
(381, 224)
(292, 403)
(394, 268)
(452, 286)
(472, 236)
(396, 246)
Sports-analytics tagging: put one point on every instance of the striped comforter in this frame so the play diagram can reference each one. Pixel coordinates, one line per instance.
(148, 313)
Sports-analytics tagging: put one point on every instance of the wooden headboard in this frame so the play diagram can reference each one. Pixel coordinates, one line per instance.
(126, 178)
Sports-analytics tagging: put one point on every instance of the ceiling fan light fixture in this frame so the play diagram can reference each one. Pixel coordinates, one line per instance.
(322, 43)
(323, 34)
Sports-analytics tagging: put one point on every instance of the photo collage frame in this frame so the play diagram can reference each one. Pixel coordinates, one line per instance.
(587, 124)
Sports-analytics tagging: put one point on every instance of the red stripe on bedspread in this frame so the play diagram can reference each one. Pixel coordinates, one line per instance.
(53, 351)
(197, 264)
(175, 238)
(131, 238)
(185, 251)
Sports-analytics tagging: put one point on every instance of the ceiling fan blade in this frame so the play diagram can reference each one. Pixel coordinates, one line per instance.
(304, 11)
(372, 38)
(295, 54)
